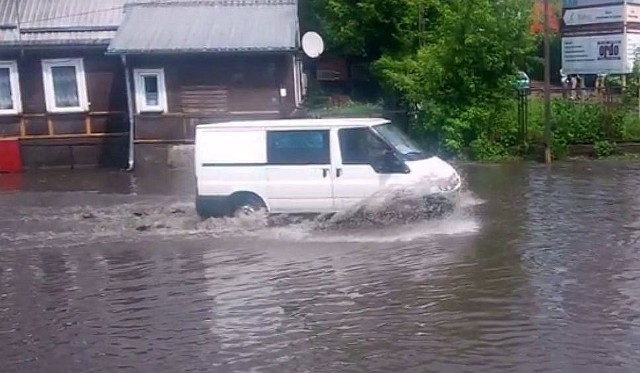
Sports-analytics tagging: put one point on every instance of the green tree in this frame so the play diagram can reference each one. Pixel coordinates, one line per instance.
(450, 62)
(460, 81)
(371, 28)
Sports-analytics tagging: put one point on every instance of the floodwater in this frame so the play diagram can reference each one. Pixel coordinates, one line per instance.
(537, 270)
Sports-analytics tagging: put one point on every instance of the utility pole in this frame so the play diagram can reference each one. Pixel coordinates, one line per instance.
(547, 87)
(421, 24)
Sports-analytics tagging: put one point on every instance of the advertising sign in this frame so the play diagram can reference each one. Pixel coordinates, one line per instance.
(566, 4)
(590, 16)
(633, 50)
(600, 36)
(595, 54)
(633, 13)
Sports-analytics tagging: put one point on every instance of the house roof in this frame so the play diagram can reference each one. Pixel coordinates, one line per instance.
(207, 27)
(78, 22)
(27, 22)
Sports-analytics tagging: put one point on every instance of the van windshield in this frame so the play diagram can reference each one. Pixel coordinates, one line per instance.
(402, 143)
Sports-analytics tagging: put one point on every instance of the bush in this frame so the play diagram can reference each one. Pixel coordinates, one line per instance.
(581, 122)
(578, 122)
(483, 149)
(460, 79)
(604, 148)
(630, 127)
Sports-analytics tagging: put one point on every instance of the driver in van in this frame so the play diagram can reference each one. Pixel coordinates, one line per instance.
(363, 146)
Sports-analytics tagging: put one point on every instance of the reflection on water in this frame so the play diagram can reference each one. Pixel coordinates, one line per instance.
(538, 271)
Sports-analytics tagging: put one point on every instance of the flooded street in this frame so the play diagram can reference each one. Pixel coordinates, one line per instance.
(536, 271)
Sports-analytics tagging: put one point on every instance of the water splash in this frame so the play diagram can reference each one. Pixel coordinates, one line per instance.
(391, 216)
(396, 205)
(459, 222)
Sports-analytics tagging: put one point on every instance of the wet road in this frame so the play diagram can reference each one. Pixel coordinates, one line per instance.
(537, 272)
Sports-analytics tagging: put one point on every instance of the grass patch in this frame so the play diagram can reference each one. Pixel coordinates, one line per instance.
(631, 126)
(580, 122)
(348, 109)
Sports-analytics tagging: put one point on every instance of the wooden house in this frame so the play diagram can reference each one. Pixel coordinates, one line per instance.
(81, 81)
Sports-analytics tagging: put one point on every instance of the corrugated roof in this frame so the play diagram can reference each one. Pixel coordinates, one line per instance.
(61, 13)
(59, 22)
(9, 38)
(197, 27)
(72, 21)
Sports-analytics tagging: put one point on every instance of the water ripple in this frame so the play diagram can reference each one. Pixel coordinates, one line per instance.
(539, 273)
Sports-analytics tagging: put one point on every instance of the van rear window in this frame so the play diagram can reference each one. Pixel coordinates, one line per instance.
(298, 147)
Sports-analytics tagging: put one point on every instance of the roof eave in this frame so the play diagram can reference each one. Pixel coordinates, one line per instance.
(201, 51)
(54, 43)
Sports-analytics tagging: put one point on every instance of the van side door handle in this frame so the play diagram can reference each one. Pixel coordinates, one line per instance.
(338, 172)
(325, 172)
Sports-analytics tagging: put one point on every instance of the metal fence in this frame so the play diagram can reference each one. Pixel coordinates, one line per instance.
(618, 105)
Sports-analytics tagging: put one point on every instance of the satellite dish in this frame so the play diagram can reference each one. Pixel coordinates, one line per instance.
(312, 44)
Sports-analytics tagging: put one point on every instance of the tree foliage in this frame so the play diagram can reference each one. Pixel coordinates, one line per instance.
(452, 62)
(371, 28)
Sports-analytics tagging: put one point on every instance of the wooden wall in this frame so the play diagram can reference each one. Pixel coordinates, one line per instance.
(200, 88)
(206, 88)
(105, 89)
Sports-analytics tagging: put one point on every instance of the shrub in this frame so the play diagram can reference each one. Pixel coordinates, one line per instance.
(604, 148)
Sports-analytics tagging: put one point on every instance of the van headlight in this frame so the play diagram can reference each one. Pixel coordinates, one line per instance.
(450, 183)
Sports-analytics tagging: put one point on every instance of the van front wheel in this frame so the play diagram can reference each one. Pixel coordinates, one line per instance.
(247, 205)
(203, 209)
(208, 208)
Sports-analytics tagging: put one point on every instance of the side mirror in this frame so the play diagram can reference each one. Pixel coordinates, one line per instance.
(389, 163)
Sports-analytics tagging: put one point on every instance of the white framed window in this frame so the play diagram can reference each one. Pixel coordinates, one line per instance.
(151, 91)
(10, 102)
(65, 87)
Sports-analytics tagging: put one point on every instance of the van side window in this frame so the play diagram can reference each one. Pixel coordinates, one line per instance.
(298, 147)
(360, 146)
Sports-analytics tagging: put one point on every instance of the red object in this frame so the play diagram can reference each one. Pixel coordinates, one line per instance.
(10, 159)
(537, 27)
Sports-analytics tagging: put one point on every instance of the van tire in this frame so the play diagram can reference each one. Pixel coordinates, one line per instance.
(203, 208)
(246, 204)
(207, 207)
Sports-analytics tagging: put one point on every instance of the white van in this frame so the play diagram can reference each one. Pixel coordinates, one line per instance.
(307, 166)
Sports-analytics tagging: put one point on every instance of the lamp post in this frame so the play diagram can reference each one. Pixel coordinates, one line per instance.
(547, 87)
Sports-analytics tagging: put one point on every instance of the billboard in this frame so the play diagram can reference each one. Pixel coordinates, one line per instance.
(633, 50)
(600, 36)
(594, 54)
(566, 4)
(593, 16)
(600, 54)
